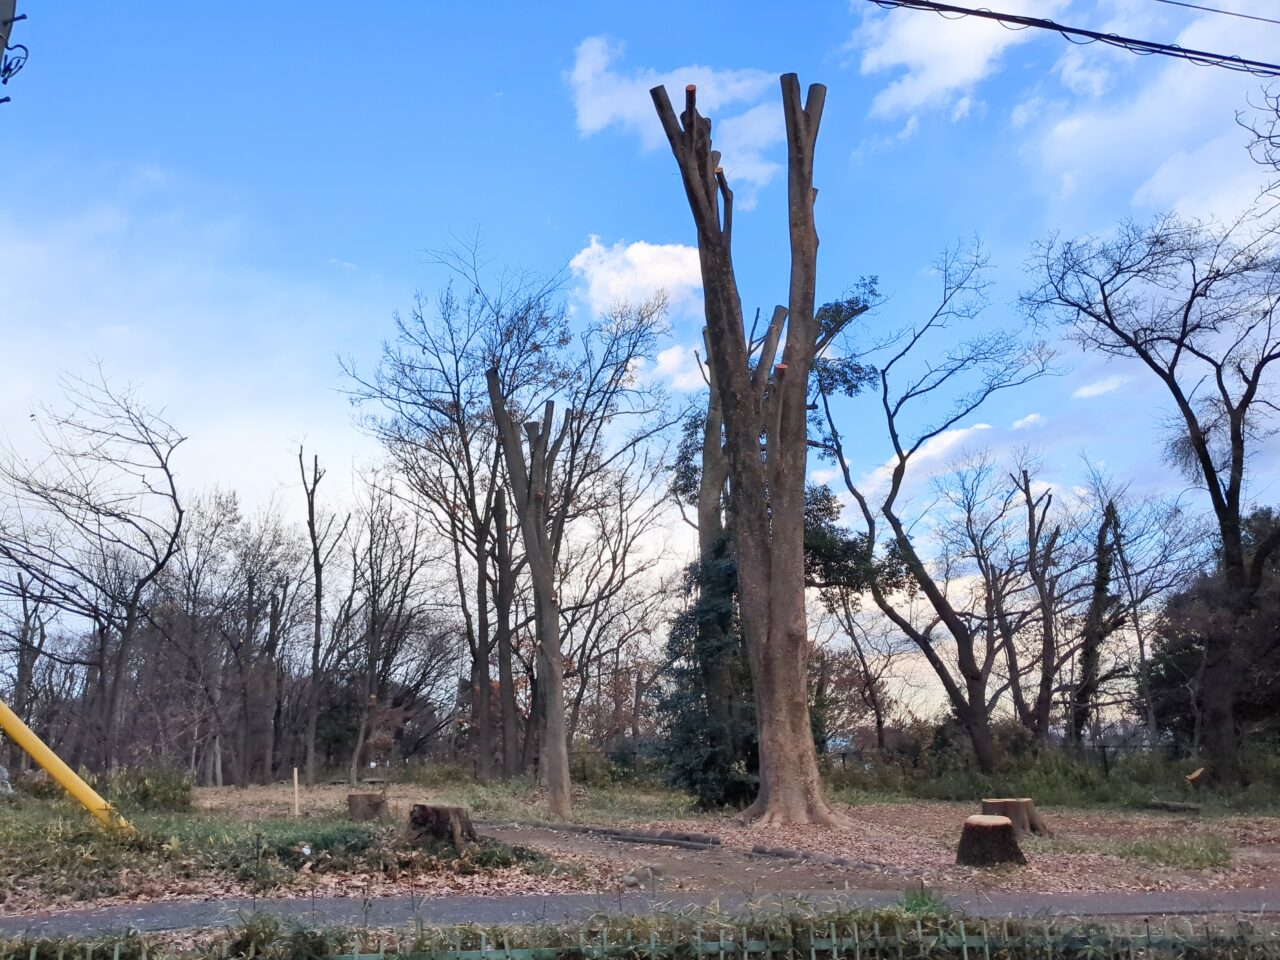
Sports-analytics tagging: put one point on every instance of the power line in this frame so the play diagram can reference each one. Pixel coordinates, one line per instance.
(1142, 47)
(1225, 13)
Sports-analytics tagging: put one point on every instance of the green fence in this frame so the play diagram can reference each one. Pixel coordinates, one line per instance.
(759, 939)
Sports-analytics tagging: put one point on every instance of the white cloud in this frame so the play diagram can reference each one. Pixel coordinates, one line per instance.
(942, 59)
(1089, 69)
(604, 96)
(679, 365)
(824, 475)
(636, 271)
(1170, 127)
(1026, 111)
(876, 144)
(742, 141)
(1098, 387)
(1030, 420)
(161, 299)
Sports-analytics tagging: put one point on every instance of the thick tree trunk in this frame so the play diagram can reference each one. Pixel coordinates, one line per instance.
(553, 759)
(1099, 624)
(766, 493)
(1218, 685)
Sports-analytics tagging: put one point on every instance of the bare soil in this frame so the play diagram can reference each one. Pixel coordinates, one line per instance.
(893, 846)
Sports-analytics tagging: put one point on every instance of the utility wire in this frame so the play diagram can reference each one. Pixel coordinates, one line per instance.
(1225, 13)
(1142, 47)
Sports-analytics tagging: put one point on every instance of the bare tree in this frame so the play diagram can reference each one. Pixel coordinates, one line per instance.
(89, 527)
(391, 561)
(438, 428)
(566, 463)
(871, 661)
(1196, 305)
(325, 535)
(971, 372)
(25, 631)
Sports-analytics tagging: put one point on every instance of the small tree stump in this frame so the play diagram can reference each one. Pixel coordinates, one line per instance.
(1022, 811)
(432, 824)
(366, 806)
(987, 841)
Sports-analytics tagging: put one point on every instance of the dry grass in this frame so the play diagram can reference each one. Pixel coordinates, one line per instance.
(53, 854)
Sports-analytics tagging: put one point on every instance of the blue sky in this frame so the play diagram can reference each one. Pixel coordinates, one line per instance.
(218, 200)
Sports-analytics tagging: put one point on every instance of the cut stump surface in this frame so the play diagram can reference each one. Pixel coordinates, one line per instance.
(988, 841)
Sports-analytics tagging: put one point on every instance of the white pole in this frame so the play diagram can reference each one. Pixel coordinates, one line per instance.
(296, 812)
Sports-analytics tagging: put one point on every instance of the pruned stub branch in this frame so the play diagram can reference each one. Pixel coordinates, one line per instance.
(767, 399)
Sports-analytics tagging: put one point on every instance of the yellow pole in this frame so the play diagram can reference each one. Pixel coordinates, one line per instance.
(21, 734)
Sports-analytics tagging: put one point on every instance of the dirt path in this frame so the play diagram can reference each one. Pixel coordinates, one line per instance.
(663, 869)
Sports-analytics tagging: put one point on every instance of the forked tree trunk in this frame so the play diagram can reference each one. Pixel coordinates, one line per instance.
(531, 485)
(766, 492)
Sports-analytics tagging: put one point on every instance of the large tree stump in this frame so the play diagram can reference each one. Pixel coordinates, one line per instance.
(432, 824)
(1022, 811)
(366, 806)
(987, 841)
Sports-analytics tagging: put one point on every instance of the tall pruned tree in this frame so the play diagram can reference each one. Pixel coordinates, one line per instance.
(436, 423)
(554, 484)
(765, 409)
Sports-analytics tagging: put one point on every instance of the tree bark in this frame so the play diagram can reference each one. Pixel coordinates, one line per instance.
(766, 492)
(531, 485)
(988, 842)
(503, 602)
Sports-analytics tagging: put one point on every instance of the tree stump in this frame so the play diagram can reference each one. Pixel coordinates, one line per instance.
(432, 824)
(366, 806)
(987, 841)
(1022, 811)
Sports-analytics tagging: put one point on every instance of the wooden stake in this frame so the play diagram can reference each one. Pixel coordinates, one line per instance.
(296, 812)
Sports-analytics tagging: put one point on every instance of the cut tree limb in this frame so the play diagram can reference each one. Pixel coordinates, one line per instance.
(1022, 811)
(988, 841)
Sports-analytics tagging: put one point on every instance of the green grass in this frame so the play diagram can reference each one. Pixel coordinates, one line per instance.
(1191, 852)
(921, 901)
